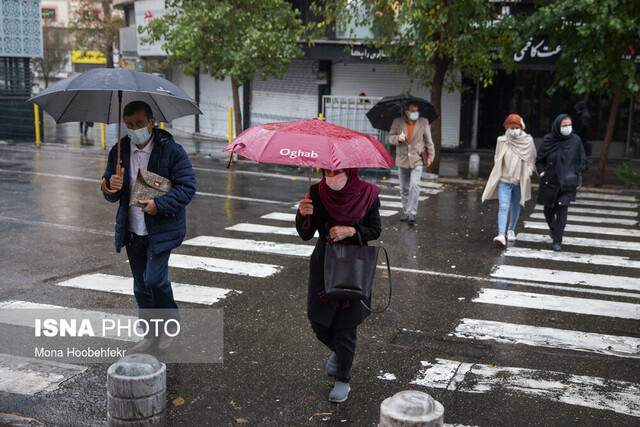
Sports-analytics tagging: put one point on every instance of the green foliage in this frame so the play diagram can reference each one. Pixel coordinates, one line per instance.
(238, 38)
(629, 176)
(466, 35)
(599, 41)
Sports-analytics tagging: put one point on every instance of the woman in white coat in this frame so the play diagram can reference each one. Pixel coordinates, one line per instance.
(510, 179)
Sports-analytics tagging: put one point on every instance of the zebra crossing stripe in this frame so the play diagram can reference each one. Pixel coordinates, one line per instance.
(606, 203)
(422, 183)
(608, 212)
(581, 241)
(567, 277)
(610, 260)
(26, 376)
(25, 313)
(182, 292)
(386, 196)
(383, 212)
(388, 204)
(586, 229)
(218, 265)
(264, 229)
(579, 390)
(596, 219)
(423, 190)
(251, 245)
(535, 301)
(512, 333)
(280, 216)
(604, 196)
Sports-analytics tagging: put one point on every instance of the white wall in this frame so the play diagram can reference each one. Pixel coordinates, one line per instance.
(381, 79)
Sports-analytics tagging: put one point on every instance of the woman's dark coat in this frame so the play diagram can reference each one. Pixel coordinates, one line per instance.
(369, 228)
(560, 162)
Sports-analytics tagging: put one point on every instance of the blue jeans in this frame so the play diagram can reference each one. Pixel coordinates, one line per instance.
(509, 200)
(151, 285)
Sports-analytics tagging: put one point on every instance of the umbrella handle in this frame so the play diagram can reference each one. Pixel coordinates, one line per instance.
(105, 188)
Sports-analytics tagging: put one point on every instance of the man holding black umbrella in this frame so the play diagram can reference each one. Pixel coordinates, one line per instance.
(411, 134)
(150, 229)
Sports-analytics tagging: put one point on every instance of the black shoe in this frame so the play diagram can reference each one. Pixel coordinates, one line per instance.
(404, 217)
(412, 218)
(557, 246)
(144, 346)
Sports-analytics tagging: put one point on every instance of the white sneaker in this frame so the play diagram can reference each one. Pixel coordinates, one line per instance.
(500, 240)
(511, 235)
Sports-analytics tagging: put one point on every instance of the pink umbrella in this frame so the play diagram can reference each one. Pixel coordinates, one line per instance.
(313, 143)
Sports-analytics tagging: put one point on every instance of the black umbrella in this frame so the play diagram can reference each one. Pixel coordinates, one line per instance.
(97, 96)
(388, 108)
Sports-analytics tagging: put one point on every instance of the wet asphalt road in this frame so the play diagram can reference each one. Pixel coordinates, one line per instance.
(273, 368)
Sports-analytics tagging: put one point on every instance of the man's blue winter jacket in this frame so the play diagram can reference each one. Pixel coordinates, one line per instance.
(168, 227)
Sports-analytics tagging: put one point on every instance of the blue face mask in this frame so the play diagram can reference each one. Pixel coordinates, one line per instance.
(139, 136)
(414, 115)
(566, 130)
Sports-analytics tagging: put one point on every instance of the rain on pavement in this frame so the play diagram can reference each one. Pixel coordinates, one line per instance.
(496, 335)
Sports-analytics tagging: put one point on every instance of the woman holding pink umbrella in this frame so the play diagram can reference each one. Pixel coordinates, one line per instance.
(341, 208)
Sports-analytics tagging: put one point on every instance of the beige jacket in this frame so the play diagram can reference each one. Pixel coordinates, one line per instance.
(408, 154)
(491, 190)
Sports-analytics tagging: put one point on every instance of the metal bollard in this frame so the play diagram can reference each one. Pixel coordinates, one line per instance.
(474, 166)
(411, 408)
(136, 392)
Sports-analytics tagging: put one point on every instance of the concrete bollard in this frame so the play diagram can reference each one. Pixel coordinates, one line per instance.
(474, 166)
(136, 392)
(411, 408)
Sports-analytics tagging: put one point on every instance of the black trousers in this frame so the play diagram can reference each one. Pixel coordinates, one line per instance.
(556, 217)
(343, 343)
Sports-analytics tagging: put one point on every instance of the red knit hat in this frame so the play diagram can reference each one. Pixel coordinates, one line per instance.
(514, 119)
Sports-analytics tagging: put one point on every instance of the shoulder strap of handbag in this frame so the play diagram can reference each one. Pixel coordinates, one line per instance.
(390, 287)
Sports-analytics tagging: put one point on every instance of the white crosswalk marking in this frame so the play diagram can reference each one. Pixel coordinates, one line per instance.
(581, 241)
(586, 229)
(25, 313)
(424, 184)
(251, 245)
(263, 229)
(218, 265)
(620, 396)
(615, 261)
(595, 219)
(430, 191)
(182, 292)
(386, 196)
(594, 307)
(610, 212)
(512, 333)
(26, 376)
(606, 203)
(388, 204)
(604, 196)
(569, 277)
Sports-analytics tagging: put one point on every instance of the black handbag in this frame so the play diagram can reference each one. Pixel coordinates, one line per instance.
(349, 271)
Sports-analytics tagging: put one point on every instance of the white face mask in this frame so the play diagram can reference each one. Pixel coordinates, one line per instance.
(336, 183)
(566, 130)
(514, 132)
(414, 115)
(139, 136)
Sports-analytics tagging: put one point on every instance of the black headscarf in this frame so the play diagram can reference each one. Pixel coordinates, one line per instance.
(565, 165)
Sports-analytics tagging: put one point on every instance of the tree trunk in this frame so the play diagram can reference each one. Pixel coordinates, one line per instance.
(236, 106)
(106, 22)
(608, 136)
(46, 80)
(441, 65)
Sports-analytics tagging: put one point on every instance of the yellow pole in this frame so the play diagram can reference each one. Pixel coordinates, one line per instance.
(36, 112)
(162, 125)
(230, 132)
(320, 116)
(104, 138)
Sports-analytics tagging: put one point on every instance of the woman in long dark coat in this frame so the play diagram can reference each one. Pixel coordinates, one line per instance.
(344, 208)
(560, 162)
